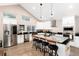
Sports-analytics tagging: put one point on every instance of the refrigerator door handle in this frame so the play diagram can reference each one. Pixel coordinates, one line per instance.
(7, 32)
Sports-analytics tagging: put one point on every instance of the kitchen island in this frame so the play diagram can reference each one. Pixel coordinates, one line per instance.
(63, 49)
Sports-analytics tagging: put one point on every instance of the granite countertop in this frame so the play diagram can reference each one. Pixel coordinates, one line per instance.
(20, 33)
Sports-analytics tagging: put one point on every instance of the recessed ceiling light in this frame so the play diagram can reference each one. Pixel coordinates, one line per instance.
(33, 8)
(70, 6)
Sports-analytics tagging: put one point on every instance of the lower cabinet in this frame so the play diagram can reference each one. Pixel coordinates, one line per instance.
(63, 50)
(20, 39)
(14, 40)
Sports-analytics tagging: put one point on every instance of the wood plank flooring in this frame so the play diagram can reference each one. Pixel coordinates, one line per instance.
(74, 51)
(26, 49)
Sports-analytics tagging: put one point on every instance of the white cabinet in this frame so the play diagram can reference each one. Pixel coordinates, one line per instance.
(63, 50)
(71, 21)
(69, 25)
(68, 21)
(20, 39)
(75, 43)
(43, 25)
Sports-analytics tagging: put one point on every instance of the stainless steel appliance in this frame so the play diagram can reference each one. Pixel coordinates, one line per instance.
(10, 35)
(28, 36)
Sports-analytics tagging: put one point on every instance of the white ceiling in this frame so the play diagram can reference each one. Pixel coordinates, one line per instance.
(60, 10)
(4, 4)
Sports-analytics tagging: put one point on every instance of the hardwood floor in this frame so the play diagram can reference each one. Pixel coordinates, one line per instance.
(26, 49)
(74, 51)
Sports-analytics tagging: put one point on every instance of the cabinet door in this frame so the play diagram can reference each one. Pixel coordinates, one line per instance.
(20, 39)
(14, 40)
(68, 21)
(53, 23)
(29, 29)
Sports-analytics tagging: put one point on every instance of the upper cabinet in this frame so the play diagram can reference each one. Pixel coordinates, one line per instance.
(71, 21)
(9, 15)
(53, 23)
(68, 21)
(44, 25)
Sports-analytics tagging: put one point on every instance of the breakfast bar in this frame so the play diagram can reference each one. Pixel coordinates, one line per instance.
(49, 39)
(55, 40)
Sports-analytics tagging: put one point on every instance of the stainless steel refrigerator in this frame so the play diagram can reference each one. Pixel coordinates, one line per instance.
(9, 36)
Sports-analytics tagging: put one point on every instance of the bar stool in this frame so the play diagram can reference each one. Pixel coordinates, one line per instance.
(53, 49)
(39, 44)
(44, 47)
(35, 42)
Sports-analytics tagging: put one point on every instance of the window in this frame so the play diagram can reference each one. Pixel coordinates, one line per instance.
(9, 18)
(25, 18)
(9, 15)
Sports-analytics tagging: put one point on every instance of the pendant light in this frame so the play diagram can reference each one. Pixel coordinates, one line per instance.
(51, 10)
(41, 10)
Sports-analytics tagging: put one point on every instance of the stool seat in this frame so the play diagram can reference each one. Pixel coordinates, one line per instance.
(53, 47)
(45, 43)
(38, 44)
(39, 41)
(35, 39)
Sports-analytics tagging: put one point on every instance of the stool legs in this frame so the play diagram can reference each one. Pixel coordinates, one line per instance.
(53, 53)
(53, 50)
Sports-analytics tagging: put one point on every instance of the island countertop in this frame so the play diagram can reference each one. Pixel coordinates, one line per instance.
(54, 39)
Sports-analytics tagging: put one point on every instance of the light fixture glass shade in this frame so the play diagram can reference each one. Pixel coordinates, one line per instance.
(41, 10)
